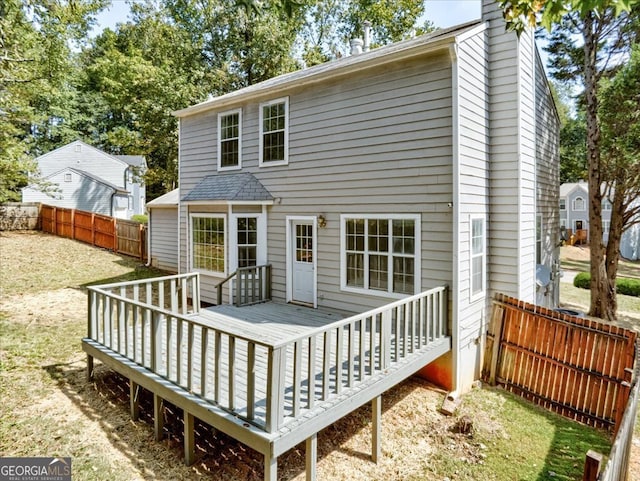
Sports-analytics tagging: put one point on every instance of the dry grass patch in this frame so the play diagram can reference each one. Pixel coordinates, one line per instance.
(49, 409)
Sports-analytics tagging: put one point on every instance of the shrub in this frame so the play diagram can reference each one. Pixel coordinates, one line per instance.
(624, 285)
(582, 280)
(141, 218)
(628, 286)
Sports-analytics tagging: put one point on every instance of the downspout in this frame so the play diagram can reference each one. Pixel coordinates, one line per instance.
(455, 153)
(148, 239)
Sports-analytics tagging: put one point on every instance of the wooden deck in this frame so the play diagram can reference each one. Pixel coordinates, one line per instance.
(270, 375)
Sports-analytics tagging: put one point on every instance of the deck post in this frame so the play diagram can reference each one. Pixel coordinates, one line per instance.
(133, 400)
(270, 468)
(158, 417)
(89, 368)
(311, 455)
(376, 423)
(189, 439)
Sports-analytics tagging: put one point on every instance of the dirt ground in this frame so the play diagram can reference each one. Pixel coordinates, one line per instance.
(49, 409)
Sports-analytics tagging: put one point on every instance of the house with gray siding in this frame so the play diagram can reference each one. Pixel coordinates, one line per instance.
(428, 162)
(162, 233)
(89, 179)
(574, 217)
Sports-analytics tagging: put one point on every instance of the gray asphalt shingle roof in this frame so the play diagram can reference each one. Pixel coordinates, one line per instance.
(229, 187)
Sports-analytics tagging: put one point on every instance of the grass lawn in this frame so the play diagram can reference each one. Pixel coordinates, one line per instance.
(49, 409)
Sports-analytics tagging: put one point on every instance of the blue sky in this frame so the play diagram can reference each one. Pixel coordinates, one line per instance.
(443, 13)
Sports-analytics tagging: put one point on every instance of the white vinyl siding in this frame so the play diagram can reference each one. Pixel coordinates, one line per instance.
(380, 253)
(274, 132)
(230, 140)
(390, 152)
(163, 229)
(208, 243)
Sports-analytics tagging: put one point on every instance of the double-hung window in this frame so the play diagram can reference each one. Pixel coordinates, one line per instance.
(563, 204)
(478, 242)
(578, 203)
(247, 241)
(381, 253)
(208, 240)
(229, 140)
(274, 132)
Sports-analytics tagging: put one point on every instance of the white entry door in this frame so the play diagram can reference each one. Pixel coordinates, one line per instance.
(302, 261)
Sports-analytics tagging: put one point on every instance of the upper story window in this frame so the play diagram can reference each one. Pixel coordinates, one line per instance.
(229, 140)
(563, 204)
(606, 205)
(67, 177)
(578, 203)
(274, 132)
(380, 253)
(208, 241)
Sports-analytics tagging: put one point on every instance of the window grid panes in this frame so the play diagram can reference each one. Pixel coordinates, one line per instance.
(477, 256)
(578, 203)
(207, 234)
(380, 254)
(563, 204)
(274, 123)
(230, 140)
(247, 240)
(304, 243)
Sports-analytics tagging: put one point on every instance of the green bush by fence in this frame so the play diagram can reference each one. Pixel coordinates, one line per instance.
(624, 285)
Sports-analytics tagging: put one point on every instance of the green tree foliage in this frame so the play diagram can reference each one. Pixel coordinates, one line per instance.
(37, 95)
(331, 24)
(589, 39)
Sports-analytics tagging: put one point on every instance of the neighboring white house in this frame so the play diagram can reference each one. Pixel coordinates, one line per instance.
(91, 180)
(574, 215)
(429, 162)
(162, 235)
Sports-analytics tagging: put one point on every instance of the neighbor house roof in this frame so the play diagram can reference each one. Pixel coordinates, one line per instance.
(432, 41)
(238, 187)
(95, 178)
(567, 187)
(132, 160)
(170, 199)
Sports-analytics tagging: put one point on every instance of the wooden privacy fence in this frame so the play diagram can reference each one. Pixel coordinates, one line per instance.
(577, 367)
(119, 235)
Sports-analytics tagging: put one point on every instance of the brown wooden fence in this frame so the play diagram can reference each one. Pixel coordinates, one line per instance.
(122, 236)
(577, 367)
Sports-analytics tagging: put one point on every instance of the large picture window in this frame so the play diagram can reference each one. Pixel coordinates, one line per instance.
(229, 133)
(274, 132)
(478, 240)
(208, 243)
(380, 253)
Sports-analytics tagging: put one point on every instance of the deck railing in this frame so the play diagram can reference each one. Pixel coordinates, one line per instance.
(265, 384)
(252, 286)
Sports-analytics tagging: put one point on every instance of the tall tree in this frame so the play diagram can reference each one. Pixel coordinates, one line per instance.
(619, 112)
(606, 30)
(36, 82)
(332, 24)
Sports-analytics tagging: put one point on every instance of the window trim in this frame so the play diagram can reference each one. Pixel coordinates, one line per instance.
(473, 296)
(68, 177)
(606, 205)
(192, 215)
(272, 163)
(573, 204)
(261, 247)
(563, 204)
(219, 140)
(417, 255)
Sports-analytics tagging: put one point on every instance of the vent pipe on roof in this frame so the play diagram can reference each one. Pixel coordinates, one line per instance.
(366, 26)
(356, 46)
